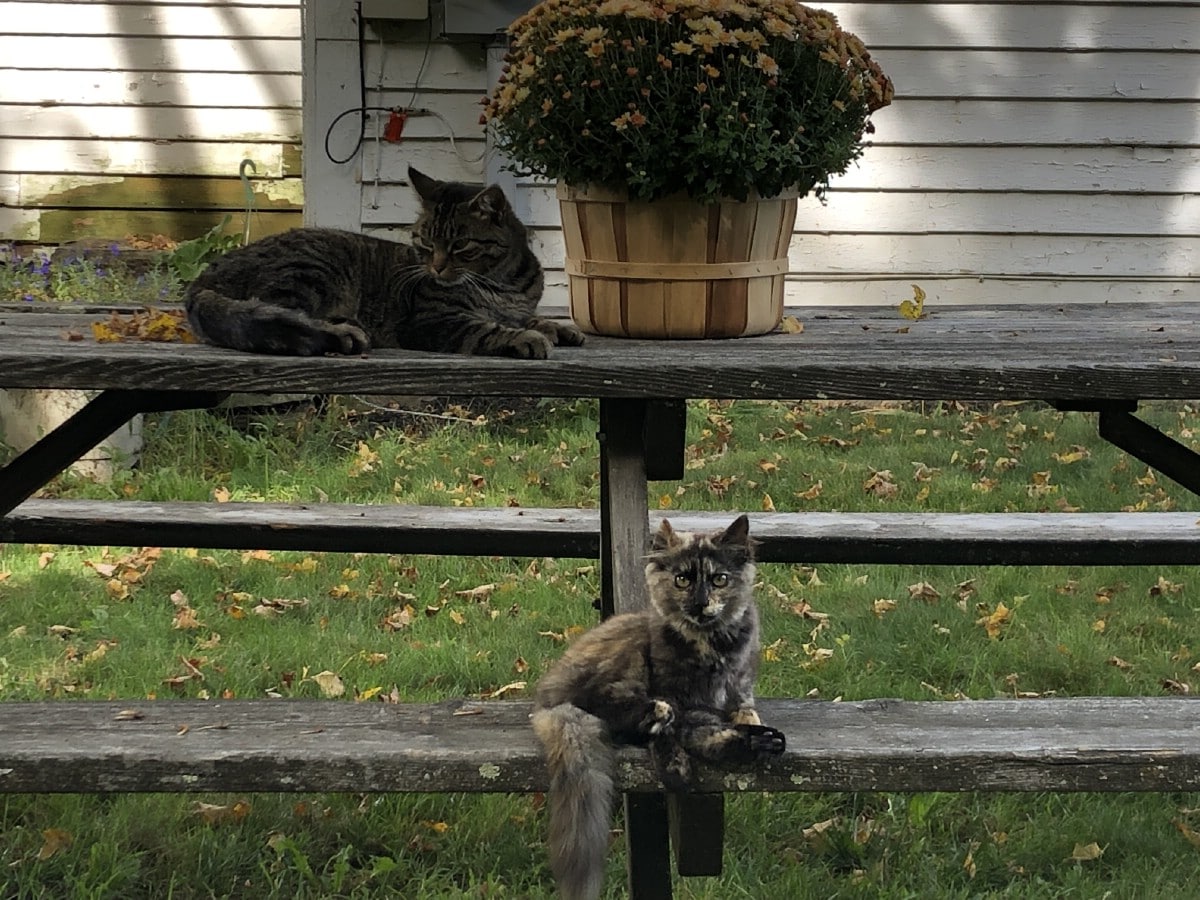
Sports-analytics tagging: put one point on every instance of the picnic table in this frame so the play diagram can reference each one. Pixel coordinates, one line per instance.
(1104, 358)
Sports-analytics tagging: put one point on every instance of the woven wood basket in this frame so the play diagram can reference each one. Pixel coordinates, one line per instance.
(675, 268)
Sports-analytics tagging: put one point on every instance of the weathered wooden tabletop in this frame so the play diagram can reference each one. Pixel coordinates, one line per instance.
(1079, 352)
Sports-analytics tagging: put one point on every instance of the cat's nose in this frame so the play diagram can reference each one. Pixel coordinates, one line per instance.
(438, 261)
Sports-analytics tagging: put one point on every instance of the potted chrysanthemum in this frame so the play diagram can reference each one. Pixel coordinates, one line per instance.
(681, 133)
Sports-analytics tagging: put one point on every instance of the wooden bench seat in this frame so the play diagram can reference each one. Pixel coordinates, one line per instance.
(816, 537)
(1078, 744)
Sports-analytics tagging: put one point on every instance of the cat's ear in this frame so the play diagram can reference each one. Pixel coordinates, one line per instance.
(665, 538)
(490, 203)
(422, 184)
(738, 532)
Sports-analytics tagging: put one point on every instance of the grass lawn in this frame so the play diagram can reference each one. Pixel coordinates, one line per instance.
(138, 622)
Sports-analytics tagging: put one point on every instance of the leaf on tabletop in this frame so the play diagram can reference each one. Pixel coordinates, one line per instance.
(791, 325)
(914, 309)
(504, 689)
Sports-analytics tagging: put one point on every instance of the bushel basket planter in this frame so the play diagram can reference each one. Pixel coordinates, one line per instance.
(675, 268)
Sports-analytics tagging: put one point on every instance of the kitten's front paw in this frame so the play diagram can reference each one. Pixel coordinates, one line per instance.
(529, 344)
(673, 765)
(659, 718)
(762, 740)
(747, 715)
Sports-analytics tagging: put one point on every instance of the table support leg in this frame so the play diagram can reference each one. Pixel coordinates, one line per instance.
(1120, 427)
(639, 440)
(104, 414)
(1159, 451)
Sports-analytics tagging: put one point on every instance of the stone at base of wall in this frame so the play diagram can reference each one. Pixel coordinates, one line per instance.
(28, 415)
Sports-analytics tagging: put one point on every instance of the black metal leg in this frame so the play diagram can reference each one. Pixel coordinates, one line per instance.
(103, 415)
(1120, 427)
(1145, 442)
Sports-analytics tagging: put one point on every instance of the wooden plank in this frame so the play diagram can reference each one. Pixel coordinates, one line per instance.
(123, 20)
(52, 87)
(1060, 744)
(81, 155)
(1144, 538)
(152, 123)
(624, 524)
(1056, 354)
(246, 54)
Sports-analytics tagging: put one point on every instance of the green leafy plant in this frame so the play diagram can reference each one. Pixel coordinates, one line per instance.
(658, 97)
(190, 258)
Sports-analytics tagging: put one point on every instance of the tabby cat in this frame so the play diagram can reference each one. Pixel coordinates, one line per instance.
(468, 283)
(677, 677)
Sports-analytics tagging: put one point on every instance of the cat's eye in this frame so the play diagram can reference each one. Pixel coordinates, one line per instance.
(720, 579)
(465, 249)
(683, 580)
(421, 244)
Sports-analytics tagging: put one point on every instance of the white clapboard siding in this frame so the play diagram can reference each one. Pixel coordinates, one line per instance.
(117, 19)
(128, 116)
(1036, 152)
(166, 53)
(52, 87)
(153, 123)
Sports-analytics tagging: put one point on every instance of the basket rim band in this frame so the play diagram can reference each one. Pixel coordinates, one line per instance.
(654, 271)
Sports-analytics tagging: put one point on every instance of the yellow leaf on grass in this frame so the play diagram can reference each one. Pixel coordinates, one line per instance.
(882, 605)
(915, 308)
(996, 620)
(53, 840)
(768, 504)
(1190, 835)
(1087, 852)
(457, 618)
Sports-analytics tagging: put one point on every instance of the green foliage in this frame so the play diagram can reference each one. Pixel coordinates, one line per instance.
(420, 628)
(191, 258)
(709, 100)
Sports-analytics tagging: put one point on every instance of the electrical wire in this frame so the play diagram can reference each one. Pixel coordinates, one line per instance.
(362, 98)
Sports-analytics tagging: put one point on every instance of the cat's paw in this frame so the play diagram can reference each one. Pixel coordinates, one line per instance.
(762, 740)
(747, 715)
(346, 338)
(672, 764)
(567, 335)
(529, 344)
(560, 333)
(659, 718)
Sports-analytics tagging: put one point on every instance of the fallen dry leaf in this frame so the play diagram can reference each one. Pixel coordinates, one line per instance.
(791, 325)
(1086, 852)
(330, 683)
(53, 840)
(996, 620)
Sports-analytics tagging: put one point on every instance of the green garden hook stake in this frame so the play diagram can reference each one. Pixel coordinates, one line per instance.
(249, 194)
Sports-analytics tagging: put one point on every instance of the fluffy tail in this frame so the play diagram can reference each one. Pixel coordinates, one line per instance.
(581, 763)
(259, 327)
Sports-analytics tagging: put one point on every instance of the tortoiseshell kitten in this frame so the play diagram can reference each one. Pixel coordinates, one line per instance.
(468, 283)
(677, 676)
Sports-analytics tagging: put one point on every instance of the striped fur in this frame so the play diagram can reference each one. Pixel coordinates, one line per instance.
(468, 283)
(677, 677)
